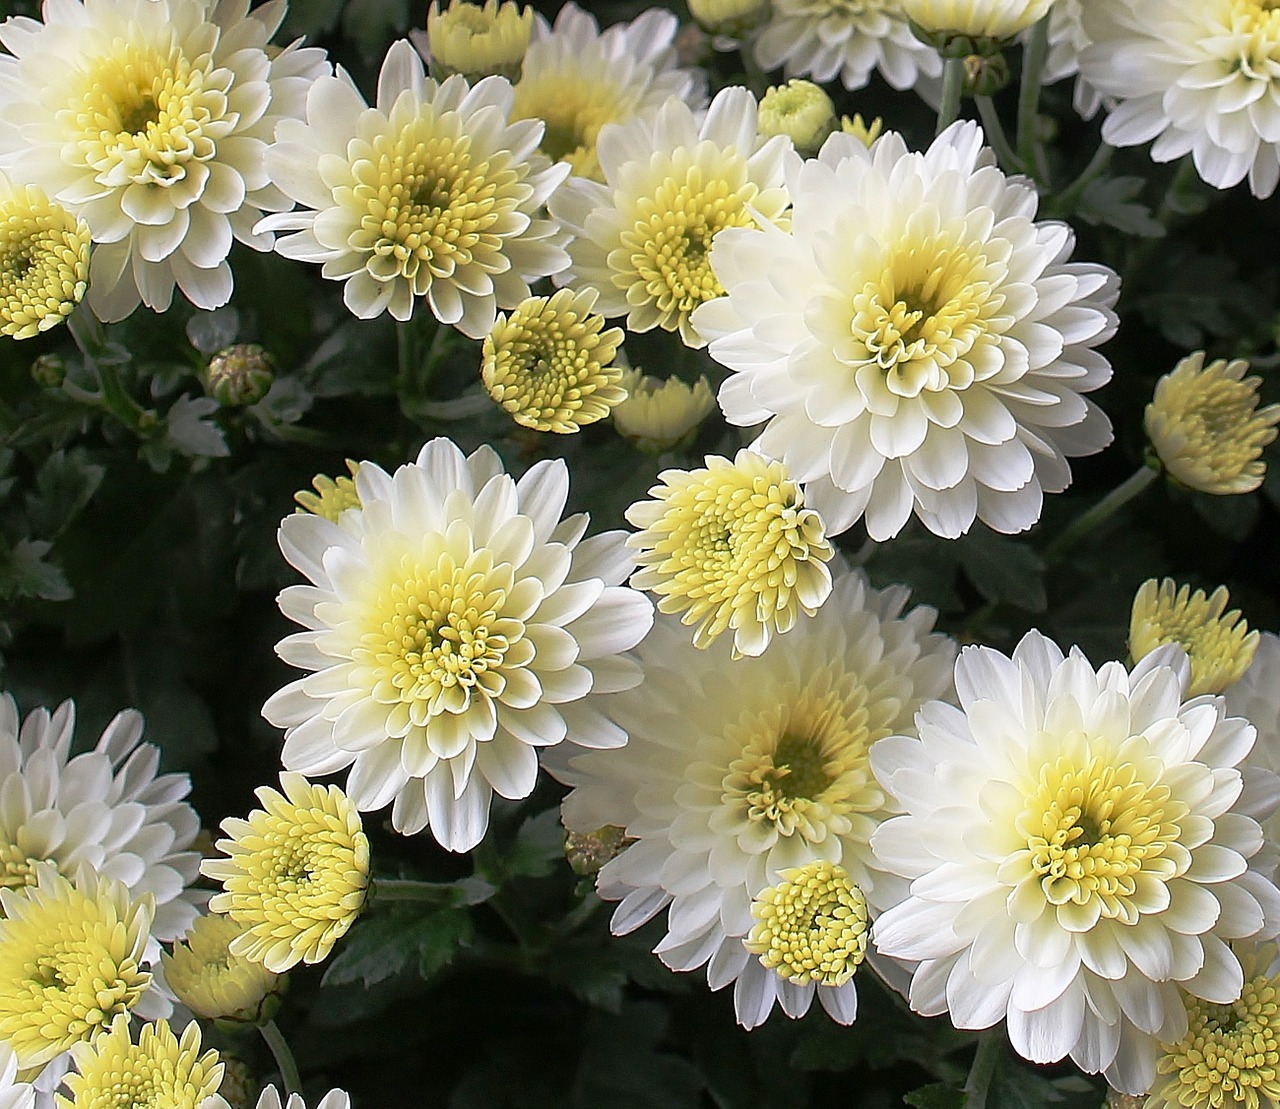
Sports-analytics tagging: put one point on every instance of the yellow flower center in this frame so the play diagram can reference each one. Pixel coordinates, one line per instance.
(1092, 829)
(146, 115)
(1256, 23)
(573, 111)
(436, 634)
(811, 926)
(44, 263)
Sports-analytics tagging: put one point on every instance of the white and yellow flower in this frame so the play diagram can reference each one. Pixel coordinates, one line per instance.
(334, 1099)
(672, 184)
(476, 40)
(738, 773)
(432, 194)
(454, 625)
(213, 981)
(660, 414)
(930, 347)
(1079, 849)
(149, 120)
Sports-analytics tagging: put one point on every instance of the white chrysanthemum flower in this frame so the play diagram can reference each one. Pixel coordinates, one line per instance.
(930, 346)
(105, 809)
(578, 78)
(1067, 39)
(826, 39)
(673, 183)
(739, 771)
(334, 1099)
(455, 625)
(149, 119)
(1077, 854)
(1256, 697)
(432, 194)
(1200, 79)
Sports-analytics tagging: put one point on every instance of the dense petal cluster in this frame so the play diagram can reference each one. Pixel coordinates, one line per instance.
(658, 415)
(432, 194)
(149, 119)
(44, 260)
(736, 772)
(476, 41)
(210, 979)
(672, 184)
(455, 625)
(1078, 854)
(930, 346)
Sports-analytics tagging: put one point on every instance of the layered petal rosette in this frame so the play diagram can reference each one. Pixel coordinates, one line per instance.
(740, 776)
(917, 342)
(1079, 852)
(454, 625)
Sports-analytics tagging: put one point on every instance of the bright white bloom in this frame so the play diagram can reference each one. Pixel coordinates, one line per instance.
(578, 78)
(13, 1094)
(825, 39)
(929, 346)
(1256, 697)
(737, 771)
(1077, 854)
(455, 624)
(1197, 76)
(149, 119)
(1067, 39)
(433, 194)
(334, 1099)
(673, 183)
(105, 809)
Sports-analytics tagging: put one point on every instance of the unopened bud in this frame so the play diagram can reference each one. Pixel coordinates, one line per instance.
(49, 370)
(239, 375)
(800, 110)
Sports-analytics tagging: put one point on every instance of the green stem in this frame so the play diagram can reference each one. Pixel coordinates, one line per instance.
(104, 363)
(1065, 202)
(1033, 59)
(996, 134)
(978, 1084)
(952, 88)
(405, 889)
(1121, 495)
(283, 1056)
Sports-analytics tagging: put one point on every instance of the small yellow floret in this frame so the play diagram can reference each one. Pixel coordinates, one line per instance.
(296, 876)
(1218, 643)
(158, 1071)
(811, 926)
(661, 415)
(331, 497)
(1206, 427)
(478, 41)
(213, 982)
(44, 260)
(800, 110)
(734, 18)
(732, 547)
(550, 363)
(867, 133)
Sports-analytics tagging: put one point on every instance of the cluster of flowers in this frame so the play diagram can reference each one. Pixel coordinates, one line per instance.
(1087, 854)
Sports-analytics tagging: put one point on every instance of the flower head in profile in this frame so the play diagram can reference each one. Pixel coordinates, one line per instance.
(334, 1099)
(1200, 79)
(577, 78)
(148, 119)
(214, 982)
(1079, 847)
(550, 363)
(975, 20)
(748, 781)
(731, 547)
(672, 184)
(661, 414)
(476, 41)
(296, 873)
(1067, 41)
(113, 1072)
(71, 959)
(332, 496)
(731, 18)
(931, 347)
(44, 260)
(455, 624)
(432, 194)
(1218, 643)
(1205, 425)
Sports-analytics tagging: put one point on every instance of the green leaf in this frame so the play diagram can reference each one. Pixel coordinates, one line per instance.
(1110, 202)
(27, 574)
(1004, 570)
(64, 485)
(624, 1068)
(936, 1096)
(388, 941)
(539, 846)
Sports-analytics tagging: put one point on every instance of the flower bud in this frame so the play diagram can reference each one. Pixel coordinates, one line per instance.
(239, 375)
(800, 110)
(732, 18)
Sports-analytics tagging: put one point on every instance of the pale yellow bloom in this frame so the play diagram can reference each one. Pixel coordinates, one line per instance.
(990, 19)
(800, 110)
(159, 1070)
(478, 41)
(734, 18)
(1206, 427)
(731, 546)
(44, 260)
(332, 497)
(211, 980)
(660, 415)
(296, 875)
(811, 926)
(1218, 643)
(550, 363)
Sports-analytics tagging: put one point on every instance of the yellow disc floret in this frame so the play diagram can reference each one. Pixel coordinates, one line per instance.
(811, 926)
(1218, 643)
(1206, 427)
(478, 41)
(296, 876)
(212, 981)
(44, 261)
(550, 363)
(332, 497)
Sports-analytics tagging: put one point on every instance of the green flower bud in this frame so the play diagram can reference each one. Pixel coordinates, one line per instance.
(49, 370)
(239, 375)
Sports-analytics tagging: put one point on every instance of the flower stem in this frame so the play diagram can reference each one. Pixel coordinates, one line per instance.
(996, 135)
(952, 88)
(104, 363)
(406, 889)
(283, 1056)
(978, 1084)
(1121, 495)
(1064, 203)
(1033, 59)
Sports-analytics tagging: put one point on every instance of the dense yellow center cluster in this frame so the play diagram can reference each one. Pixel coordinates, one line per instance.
(1092, 828)
(811, 926)
(550, 363)
(332, 497)
(477, 41)
(573, 110)
(44, 263)
(1256, 27)
(210, 980)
